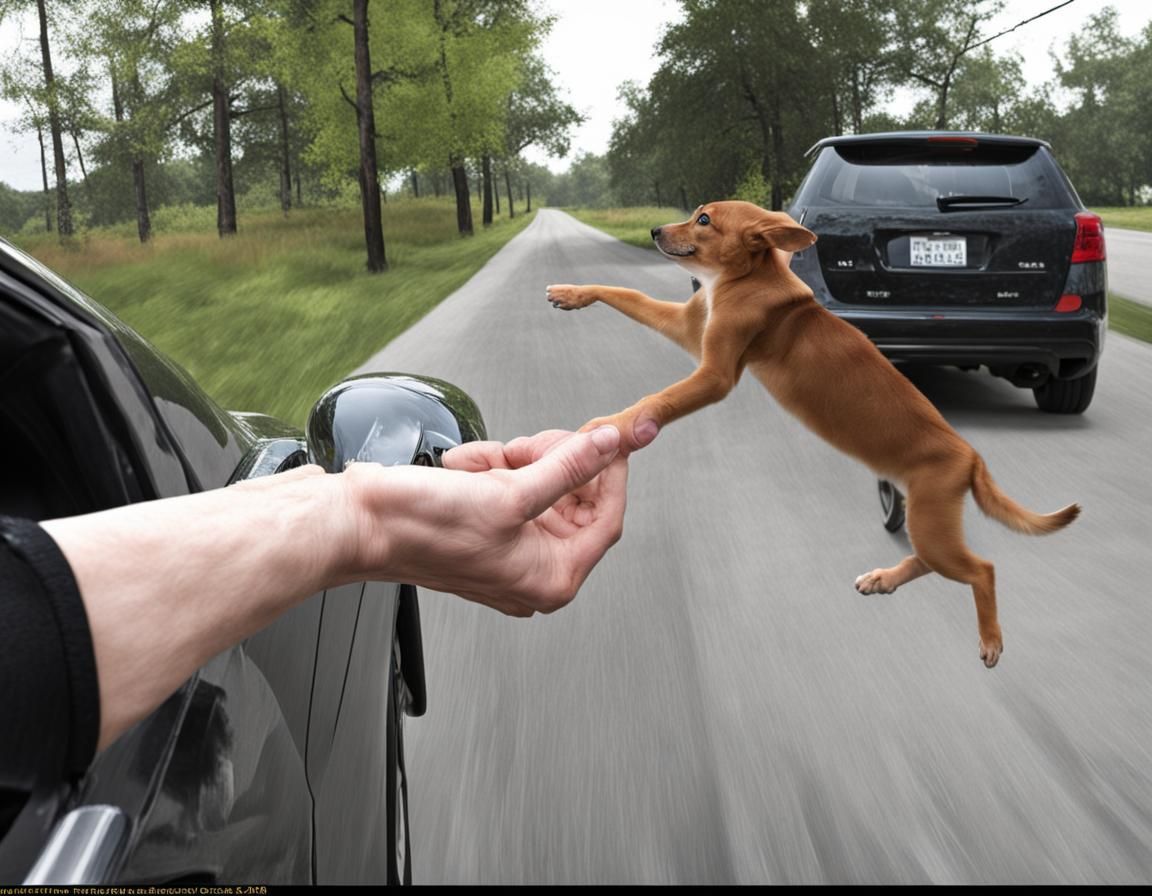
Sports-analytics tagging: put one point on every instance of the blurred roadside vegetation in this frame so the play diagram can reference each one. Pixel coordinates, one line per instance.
(1133, 218)
(267, 319)
(633, 226)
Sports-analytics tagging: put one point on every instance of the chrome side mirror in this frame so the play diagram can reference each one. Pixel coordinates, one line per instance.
(391, 419)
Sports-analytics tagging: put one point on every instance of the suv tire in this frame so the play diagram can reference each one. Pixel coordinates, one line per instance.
(1066, 396)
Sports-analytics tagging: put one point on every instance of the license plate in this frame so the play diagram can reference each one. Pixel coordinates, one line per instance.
(939, 252)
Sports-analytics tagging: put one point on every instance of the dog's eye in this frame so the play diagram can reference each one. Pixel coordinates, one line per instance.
(704, 219)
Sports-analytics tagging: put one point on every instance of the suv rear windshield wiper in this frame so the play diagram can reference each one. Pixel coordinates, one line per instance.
(967, 203)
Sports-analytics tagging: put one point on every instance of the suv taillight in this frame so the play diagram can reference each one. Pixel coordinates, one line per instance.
(1089, 244)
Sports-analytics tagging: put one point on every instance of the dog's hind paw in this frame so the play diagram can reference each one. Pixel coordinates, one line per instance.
(990, 651)
(875, 582)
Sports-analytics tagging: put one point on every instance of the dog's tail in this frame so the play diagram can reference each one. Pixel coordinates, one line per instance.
(1004, 510)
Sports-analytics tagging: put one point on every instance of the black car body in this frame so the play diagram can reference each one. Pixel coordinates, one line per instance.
(962, 249)
(281, 761)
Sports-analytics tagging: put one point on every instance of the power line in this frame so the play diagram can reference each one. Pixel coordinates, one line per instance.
(1017, 25)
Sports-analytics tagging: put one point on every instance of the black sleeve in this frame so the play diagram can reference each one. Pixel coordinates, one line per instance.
(49, 695)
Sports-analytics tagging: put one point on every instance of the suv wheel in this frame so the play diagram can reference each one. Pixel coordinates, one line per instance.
(1066, 396)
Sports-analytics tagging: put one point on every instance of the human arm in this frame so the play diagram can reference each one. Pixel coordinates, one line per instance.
(168, 584)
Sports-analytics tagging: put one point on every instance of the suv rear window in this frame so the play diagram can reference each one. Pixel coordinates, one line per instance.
(899, 175)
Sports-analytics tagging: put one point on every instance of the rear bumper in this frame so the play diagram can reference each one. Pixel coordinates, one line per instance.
(1026, 349)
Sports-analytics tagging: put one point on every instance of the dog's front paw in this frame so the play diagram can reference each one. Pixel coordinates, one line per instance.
(568, 297)
(990, 650)
(875, 582)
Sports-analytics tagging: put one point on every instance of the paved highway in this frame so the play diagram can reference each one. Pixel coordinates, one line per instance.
(1129, 261)
(719, 706)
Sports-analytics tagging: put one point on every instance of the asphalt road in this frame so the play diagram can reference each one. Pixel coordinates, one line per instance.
(1129, 258)
(718, 705)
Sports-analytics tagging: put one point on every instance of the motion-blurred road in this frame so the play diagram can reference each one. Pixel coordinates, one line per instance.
(719, 705)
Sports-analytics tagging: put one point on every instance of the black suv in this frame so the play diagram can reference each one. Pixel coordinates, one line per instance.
(963, 249)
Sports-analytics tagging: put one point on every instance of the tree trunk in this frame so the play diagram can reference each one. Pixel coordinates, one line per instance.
(285, 157)
(508, 186)
(486, 168)
(63, 206)
(455, 156)
(528, 196)
(44, 177)
(415, 184)
(777, 130)
(366, 125)
(222, 128)
(463, 199)
(143, 218)
(83, 168)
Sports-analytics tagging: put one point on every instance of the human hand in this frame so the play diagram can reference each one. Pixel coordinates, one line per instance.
(517, 527)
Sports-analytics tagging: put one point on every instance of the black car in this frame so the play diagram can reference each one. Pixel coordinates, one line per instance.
(282, 760)
(962, 249)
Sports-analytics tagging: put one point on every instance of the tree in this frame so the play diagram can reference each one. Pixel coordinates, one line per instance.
(1103, 132)
(536, 116)
(129, 37)
(853, 41)
(986, 92)
(932, 38)
(740, 72)
(50, 99)
(479, 47)
(366, 126)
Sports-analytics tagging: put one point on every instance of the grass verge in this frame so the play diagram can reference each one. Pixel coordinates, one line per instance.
(629, 225)
(1130, 318)
(1131, 218)
(269, 318)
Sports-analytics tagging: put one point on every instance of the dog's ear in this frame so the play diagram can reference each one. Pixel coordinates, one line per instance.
(778, 231)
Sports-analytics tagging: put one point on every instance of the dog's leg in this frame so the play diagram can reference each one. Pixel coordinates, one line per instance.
(936, 529)
(681, 322)
(721, 364)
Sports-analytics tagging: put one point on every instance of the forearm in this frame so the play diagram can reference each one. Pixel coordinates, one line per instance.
(169, 584)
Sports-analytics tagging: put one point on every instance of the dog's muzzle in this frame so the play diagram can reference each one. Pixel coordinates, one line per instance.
(678, 252)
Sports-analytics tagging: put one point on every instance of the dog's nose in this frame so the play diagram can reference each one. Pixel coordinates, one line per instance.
(655, 233)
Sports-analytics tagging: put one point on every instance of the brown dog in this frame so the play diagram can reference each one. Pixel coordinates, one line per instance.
(752, 311)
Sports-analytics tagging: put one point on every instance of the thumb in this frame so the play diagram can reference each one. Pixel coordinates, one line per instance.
(568, 466)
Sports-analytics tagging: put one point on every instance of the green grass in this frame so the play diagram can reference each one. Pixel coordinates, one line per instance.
(629, 225)
(1130, 318)
(1132, 218)
(268, 319)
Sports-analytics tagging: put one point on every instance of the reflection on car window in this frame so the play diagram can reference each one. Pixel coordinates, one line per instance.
(910, 182)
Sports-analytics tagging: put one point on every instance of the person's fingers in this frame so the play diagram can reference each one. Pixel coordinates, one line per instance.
(475, 457)
(571, 464)
(528, 449)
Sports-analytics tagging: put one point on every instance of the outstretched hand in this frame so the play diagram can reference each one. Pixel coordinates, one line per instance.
(517, 526)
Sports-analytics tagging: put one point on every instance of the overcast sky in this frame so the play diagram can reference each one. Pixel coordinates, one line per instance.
(596, 45)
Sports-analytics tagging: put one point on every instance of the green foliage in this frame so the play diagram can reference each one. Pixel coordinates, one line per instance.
(18, 209)
(754, 188)
(585, 185)
(736, 90)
